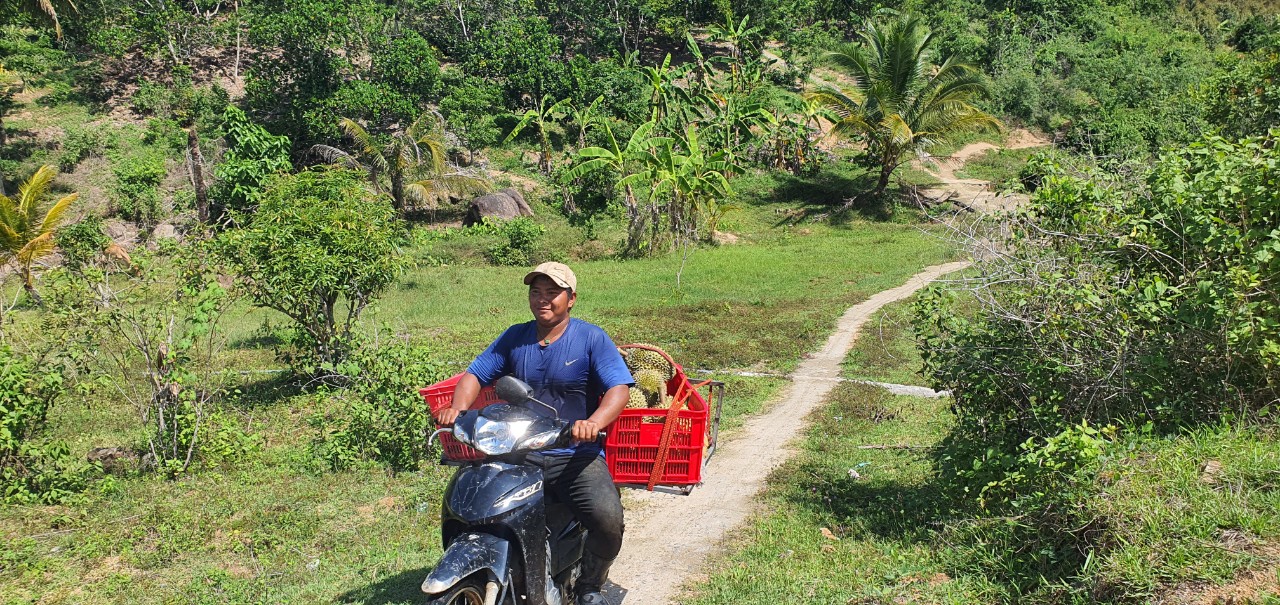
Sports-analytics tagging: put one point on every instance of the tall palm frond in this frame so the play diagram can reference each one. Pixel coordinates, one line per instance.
(900, 103)
(26, 231)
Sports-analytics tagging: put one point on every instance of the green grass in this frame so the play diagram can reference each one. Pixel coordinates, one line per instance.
(880, 547)
(885, 351)
(1000, 167)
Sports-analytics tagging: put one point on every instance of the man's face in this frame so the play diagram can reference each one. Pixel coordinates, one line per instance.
(549, 302)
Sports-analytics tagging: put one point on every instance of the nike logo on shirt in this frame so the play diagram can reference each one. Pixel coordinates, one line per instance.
(569, 363)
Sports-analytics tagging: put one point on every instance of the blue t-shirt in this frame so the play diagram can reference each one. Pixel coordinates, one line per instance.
(570, 374)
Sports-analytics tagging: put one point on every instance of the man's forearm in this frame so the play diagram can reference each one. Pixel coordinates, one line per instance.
(611, 406)
(465, 393)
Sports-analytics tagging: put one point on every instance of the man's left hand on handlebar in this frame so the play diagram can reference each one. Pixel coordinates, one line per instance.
(586, 430)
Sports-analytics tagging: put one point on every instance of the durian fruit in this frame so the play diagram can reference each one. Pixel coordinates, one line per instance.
(636, 399)
(644, 359)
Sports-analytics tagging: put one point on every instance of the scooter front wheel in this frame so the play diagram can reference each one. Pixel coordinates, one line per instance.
(468, 592)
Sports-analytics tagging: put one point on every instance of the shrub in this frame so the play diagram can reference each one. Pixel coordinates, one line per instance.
(523, 237)
(81, 243)
(253, 156)
(1114, 306)
(82, 143)
(33, 469)
(319, 249)
(135, 195)
(381, 417)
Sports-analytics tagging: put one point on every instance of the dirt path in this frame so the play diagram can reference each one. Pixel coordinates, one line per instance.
(669, 537)
(978, 193)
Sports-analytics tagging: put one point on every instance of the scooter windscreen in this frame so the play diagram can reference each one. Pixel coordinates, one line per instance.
(505, 429)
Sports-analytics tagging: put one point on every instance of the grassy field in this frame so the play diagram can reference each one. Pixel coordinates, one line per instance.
(269, 523)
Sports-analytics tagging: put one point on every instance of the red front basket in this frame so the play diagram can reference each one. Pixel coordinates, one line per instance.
(440, 396)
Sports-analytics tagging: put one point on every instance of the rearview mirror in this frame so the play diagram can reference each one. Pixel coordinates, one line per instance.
(512, 390)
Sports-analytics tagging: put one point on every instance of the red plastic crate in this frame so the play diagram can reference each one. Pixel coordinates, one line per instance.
(635, 438)
(440, 396)
(631, 448)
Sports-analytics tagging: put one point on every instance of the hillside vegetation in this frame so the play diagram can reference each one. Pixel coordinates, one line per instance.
(235, 248)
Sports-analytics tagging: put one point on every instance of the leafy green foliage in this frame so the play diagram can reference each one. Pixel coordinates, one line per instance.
(82, 242)
(1243, 99)
(319, 249)
(33, 469)
(135, 195)
(82, 143)
(252, 158)
(1115, 307)
(523, 242)
(524, 55)
(382, 417)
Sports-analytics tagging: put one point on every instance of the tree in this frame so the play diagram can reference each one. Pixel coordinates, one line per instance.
(627, 162)
(319, 249)
(901, 103)
(26, 229)
(413, 159)
(543, 116)
(49, 8)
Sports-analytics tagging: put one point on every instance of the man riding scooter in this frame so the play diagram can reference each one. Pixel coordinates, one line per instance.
(574, 366)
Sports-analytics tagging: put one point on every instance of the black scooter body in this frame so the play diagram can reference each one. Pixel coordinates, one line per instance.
(498, 519)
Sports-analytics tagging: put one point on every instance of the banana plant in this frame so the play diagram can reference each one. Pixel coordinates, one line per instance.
(543, 116)
(632, 164)
(583, 117)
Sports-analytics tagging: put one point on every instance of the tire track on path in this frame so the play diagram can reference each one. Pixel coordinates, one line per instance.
(669, 539)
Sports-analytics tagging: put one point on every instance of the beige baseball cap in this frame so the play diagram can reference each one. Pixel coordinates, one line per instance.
(558, 272)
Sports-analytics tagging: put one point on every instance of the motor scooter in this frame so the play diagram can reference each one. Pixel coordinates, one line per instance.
(507, 542)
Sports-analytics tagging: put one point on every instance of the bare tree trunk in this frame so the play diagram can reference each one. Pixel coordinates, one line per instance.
(30, 287)
(235, 69)
(197, 175)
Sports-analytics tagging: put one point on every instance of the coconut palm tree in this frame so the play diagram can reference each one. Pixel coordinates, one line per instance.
(26, 228)
(901, 103)
(412, 160)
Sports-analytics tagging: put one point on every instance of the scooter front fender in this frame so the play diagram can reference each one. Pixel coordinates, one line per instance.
(467, 554)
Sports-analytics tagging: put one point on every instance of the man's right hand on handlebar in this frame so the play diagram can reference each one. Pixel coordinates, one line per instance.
(446, 416)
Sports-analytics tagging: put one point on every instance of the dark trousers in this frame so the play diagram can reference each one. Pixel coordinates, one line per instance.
(584, 483)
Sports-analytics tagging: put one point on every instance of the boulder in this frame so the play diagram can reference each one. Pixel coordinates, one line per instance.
(504, 205)
(165, 231)
(114, 460)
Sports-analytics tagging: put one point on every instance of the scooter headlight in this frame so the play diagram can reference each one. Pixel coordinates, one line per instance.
(498, 437)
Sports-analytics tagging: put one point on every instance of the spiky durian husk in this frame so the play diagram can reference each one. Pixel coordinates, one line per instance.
(644, 359)
(650, 381)
(636, 399)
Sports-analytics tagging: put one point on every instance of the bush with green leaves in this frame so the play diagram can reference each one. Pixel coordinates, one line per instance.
(135, 194)
(1115, 306)
(1243, 98)
(83, 143)
(252, 158)
(319, 249)
(33, 469)
(523, 237)
(82, 242)
(380, 416)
